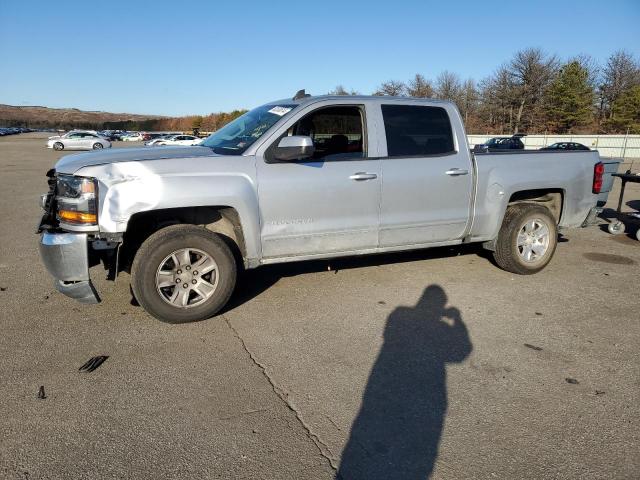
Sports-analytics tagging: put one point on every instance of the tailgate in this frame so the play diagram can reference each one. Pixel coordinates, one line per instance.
(610, 167)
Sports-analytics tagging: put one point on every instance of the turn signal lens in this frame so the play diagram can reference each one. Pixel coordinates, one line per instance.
(77, 217)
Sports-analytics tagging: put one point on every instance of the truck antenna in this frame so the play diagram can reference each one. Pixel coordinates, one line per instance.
(300, 94)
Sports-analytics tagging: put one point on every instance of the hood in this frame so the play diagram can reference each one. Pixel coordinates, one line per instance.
(72, 163)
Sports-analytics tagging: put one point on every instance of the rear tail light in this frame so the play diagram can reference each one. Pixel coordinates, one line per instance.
(598, 174)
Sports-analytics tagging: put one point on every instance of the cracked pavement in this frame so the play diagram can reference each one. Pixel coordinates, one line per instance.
(324, 367)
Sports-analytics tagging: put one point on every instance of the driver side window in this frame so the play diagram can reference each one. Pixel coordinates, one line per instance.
(337, 132)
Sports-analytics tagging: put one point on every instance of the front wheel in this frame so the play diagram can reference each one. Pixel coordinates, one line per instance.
(527, 239)
(58, 146)
(183, 273)
(97, 146)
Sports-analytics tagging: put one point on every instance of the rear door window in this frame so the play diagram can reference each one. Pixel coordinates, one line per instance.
(415, 130)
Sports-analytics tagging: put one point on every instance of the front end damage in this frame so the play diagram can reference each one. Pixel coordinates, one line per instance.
(66, 258)
(68, 255)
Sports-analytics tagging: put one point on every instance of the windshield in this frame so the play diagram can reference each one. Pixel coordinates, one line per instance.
(235, 137)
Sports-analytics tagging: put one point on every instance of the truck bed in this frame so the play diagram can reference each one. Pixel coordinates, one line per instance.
(500, 174)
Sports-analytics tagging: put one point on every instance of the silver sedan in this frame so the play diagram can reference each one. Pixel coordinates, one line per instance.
(78, 141)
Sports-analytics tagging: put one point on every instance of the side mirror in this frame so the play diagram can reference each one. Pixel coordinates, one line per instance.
(294, 148)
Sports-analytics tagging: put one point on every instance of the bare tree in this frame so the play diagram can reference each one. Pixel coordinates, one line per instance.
(420, 87)
(496, 101)
(448, 86)
(393, 88)
(530, 73)
(340, 90)
(468, 101)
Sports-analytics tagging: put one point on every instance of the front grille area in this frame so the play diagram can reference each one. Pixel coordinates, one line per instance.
(49, 221)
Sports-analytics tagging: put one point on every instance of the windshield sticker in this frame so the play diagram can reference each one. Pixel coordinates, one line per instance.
(280, 111)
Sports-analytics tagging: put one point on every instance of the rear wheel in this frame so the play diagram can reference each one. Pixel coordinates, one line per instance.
(527, 239)
(97, 146)
(183, 273)
(58, 146)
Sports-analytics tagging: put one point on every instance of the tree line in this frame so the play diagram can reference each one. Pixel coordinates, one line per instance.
(535, 92)
(206, 123)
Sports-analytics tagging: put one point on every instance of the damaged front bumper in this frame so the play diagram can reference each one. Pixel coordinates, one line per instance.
(66, 257)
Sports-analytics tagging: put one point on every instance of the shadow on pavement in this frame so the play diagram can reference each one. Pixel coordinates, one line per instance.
(252, 283)
(397, 430)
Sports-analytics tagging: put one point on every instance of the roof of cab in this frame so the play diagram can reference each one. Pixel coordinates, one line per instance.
(385, 98)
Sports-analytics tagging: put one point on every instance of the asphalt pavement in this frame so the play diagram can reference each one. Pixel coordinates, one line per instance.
(398, 366)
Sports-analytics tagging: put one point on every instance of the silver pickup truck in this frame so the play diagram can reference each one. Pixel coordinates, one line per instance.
(304, 178)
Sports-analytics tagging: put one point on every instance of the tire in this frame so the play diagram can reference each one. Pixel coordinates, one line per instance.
(638, 234)
(58, 146)
(155, 266)
(616, 228)
(98, 146)
(521, 246)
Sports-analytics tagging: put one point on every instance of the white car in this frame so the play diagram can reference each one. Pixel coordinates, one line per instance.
(132, 137)
(78, 140)
(155, 141)
(179, 140)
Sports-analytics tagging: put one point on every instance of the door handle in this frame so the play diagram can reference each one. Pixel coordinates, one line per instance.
(454, 172)
(359, 176)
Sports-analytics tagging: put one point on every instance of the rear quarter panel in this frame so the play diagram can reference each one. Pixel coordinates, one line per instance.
(500, 175)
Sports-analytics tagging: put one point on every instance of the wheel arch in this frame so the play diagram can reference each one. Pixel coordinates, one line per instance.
(551, 198)
(223, 220)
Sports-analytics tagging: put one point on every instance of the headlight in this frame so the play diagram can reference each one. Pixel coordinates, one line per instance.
(76, 199)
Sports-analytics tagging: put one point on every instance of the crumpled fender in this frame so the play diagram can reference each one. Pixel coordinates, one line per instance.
(127, 188)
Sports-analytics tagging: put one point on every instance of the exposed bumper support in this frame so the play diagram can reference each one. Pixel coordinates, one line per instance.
(83, 291)
(592, 218)
(66, 257)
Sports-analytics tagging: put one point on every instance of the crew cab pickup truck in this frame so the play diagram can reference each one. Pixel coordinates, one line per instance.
(303, 178)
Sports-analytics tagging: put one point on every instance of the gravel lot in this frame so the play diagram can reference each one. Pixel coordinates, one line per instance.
(389, 366)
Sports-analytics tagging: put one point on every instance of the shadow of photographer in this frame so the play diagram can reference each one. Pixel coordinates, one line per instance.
(397, 430)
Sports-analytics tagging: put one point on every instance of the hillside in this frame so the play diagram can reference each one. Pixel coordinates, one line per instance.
(44, 117)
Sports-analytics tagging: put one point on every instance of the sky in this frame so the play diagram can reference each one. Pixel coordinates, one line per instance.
(179, 58)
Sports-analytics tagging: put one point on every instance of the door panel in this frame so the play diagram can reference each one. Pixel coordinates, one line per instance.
(315, 207)
(427, 176)
(421, 203)
(330, 202)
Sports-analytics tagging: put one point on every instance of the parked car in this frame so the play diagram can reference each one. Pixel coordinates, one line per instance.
(10, 131)
(132, 137)
(108, 134)
(566, 146)
(304, 178)
(117, 135)
(154, 141)
(505, 143)
(78, 140)
(146, 136)
(179, 140)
